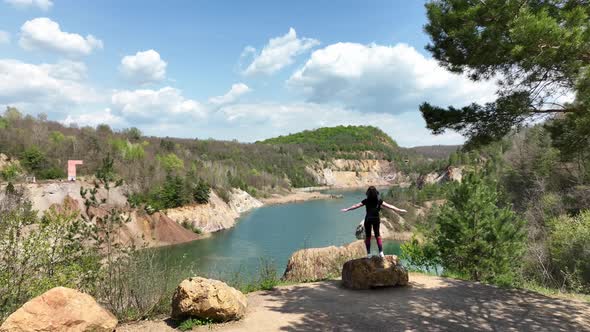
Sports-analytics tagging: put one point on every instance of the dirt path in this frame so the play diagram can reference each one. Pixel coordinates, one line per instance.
(429, 304)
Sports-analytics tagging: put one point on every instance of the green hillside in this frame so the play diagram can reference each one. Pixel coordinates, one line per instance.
(342, 141)
(357, 142)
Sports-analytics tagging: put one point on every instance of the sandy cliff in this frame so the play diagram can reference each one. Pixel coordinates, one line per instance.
(158, 229)
(343, 173)
(217, 214)
(449, 174)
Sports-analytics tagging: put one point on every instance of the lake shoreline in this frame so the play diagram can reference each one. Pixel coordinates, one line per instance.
(342, 188)
(295, 197)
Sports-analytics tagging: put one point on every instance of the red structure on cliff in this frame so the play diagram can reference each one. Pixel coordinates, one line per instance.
(72, 169)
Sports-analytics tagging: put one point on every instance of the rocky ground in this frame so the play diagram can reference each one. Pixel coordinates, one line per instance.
(429, 303)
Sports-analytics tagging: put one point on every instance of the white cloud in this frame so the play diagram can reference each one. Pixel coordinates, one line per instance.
(259, 121)
(4, 37)
(44, 34)
(376, 78)
(156, 106)
(94, 119)
(278, 53)
(231, 96)
(41, 4)
(251, 122)
(49, 87)
(143, 67)
(67, 70)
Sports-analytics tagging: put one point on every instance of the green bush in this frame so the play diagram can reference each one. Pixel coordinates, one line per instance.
(191, 323)
(201, 191)
(33, 159)
(57, 137)
(188, 225)
(106, 170)
(472, 235)
(51, 173)
(421, 256)
(173, 193)
(569, 247)
(10, 172)
(171, 163)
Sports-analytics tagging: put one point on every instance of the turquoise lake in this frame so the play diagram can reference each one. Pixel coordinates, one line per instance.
(272, 233)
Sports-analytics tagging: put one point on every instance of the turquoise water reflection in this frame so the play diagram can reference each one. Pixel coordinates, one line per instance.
(271, 232)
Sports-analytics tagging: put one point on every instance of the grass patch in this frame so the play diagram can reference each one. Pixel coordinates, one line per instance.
(267, 278)
(552, 292)
(191, 323)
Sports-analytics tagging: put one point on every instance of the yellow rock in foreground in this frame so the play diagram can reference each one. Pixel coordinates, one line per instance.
(209, 299)
(60, 309)
(364, 273)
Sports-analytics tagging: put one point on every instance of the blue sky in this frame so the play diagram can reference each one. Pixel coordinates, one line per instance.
(243, 70)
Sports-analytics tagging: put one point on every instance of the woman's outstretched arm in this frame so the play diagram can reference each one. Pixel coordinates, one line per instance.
(354, 207)
(394, 208)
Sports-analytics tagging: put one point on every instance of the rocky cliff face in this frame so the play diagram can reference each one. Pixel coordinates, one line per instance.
(158, 229)
(449, 174)
(343, 173)
(217, 214)
(142, 229)
(44, 195)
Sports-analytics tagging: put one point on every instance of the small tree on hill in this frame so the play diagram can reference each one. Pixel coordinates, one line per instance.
(201, 192)
(472, 235)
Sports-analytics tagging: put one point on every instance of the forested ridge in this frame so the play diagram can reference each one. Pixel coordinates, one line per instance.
(145, 163)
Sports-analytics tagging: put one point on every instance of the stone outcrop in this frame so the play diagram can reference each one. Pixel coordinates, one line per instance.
(208, 299)
(365, 273)
(60, 309)
(44, 195)
(343, 173)
(216, 215)
(240, 201)
(321, 263)
(449, 174)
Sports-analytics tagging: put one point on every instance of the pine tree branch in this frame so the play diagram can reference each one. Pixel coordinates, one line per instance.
(554, 110)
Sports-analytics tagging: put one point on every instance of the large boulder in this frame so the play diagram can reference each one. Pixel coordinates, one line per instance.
(60, 309)
(321, 263)
(365, 273)
(208, 299)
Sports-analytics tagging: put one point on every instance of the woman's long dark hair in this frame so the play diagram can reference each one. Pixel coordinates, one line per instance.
(372, 194)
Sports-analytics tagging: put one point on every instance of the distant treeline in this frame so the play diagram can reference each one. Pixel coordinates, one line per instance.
(150, 163)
